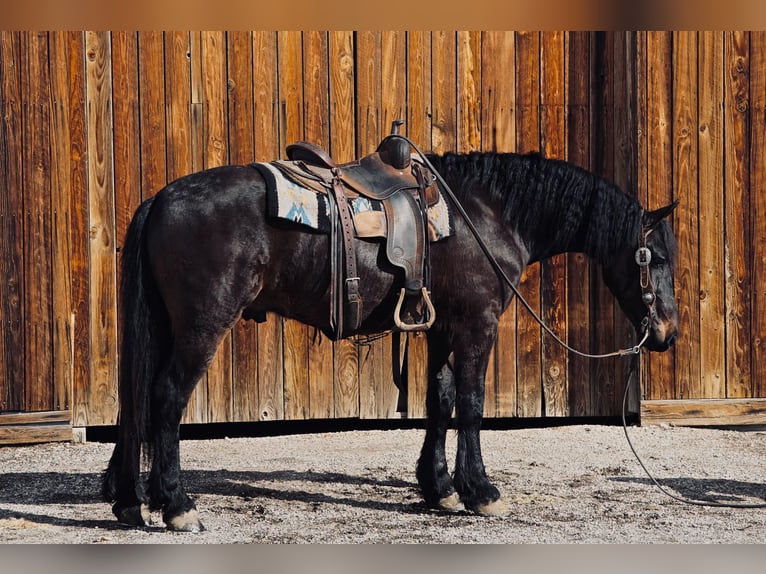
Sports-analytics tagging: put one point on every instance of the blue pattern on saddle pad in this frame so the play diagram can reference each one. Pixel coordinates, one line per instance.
(290, 201)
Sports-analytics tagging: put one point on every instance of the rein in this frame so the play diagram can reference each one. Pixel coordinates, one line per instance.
(665, 491)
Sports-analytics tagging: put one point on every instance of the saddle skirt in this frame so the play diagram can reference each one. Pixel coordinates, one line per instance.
(298, 192)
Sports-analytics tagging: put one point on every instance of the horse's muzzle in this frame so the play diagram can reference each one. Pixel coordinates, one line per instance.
(663, 336)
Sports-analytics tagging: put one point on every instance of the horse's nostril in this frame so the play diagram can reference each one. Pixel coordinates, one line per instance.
(672, 339)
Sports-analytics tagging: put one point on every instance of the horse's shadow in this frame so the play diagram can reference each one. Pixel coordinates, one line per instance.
(285, 485)
(60, 489)
(706, 490)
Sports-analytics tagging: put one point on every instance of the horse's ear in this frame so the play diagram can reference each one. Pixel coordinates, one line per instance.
(653, 218)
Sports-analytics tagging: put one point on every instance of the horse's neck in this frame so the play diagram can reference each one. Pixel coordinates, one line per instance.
(598, 229)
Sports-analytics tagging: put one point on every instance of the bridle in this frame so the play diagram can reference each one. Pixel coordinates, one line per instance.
(643, 258)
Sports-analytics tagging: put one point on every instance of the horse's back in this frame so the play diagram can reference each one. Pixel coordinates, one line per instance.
(214, 188)
(211, 243)
(204, 232)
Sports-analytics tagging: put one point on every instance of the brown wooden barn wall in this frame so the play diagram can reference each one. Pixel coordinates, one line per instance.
(94, 122)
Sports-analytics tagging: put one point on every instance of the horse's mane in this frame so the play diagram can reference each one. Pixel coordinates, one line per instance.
(569, 204)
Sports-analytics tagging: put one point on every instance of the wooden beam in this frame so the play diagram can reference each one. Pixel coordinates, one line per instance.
(710, 412)
(25, 428)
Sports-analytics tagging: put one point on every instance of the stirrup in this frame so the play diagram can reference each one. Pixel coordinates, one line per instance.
(430, 311)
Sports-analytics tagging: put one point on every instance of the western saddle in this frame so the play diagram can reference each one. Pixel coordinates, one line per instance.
(405, 188)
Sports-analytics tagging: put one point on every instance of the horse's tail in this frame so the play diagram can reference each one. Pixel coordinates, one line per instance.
(145, 340)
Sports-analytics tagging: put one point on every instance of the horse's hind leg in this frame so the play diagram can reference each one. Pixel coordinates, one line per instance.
(122, 483)
(191, 356)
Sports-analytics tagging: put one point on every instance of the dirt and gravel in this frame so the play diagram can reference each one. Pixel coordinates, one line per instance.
(566, 484)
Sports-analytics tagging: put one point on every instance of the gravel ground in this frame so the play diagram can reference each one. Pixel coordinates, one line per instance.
(568, 484)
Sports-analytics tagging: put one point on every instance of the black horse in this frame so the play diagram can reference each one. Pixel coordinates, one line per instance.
(202, 253)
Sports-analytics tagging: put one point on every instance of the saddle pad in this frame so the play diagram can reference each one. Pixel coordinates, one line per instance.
(290, 201)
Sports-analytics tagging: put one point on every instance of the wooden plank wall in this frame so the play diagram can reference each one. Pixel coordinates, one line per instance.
(92, 123)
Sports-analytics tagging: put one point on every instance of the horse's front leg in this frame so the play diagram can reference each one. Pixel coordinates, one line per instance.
(476, 491)
(432, 472)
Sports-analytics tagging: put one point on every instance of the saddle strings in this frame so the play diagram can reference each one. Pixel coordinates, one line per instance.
(635, 351)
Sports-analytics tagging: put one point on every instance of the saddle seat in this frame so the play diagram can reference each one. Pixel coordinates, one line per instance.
(405, 188)
(376, 176)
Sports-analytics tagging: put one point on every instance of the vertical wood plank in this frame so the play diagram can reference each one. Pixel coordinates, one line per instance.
(625, 128)
(498, 92)
(419, 57)
(368, 61)
(469, 91)
(737, 225)
(711, 216)
(35, 80)
(296, 392)
(342, 105)
(127, 146)
(685, 158)
(99, 402)
(178, 105)
(603, 150)
(12, 358)
(469, 130)
(498, 134)
(758, 208)
(151, 89)
(444, 92)
(65, 53)
(419, 130)
(219, 375)
(79, 224)
(379, 100)
(578, 266)
(239, 50)
(126, 141)
(196, 407)
(642, 97)
(393, 47)
(368, 102)
(659, 376)
(393, 106)
(183, 143)
(316, 119)
(266, 122)
(528, 344)
(554, 270)
(197, 94)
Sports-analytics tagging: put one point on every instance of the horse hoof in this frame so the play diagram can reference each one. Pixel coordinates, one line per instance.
(187, 522)
(494, 508)
(451, 503)
(133, 515)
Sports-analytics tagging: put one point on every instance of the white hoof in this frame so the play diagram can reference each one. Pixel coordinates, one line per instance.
(494, 508)
(451, 503)
(186, 522)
